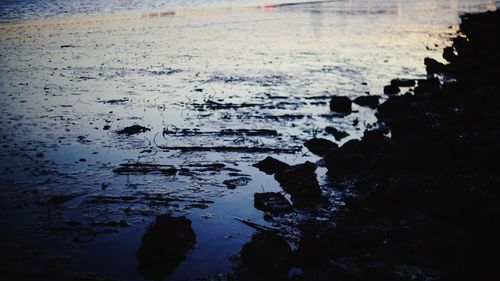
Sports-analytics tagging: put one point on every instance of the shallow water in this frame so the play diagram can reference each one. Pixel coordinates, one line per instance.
(207, 68)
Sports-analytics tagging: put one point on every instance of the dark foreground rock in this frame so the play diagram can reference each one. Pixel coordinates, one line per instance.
(337, 134)
(341, 104)
(301, 183)
(391, 89)
(266, 257)
(271, 165)
(320, 147)
(421, 194)
(425, 203)
(368, 101)
(164, 246)
(403, 82)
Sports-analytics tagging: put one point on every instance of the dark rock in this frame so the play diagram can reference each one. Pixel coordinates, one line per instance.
(164, 246)
(433, 66)
(391, 90)
(347, 269)
(403, 82)
(319, 146)
(271, 165)
(341, 104)
(300, 181)
(273, 202)
(369, 101)
(427, 85)
(240, 181)
(267, 257)
(337, 134)
(132, 130)
(449, 54)
(347, 157)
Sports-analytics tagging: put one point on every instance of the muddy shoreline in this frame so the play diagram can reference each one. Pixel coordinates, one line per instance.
(421, 204)
(270, 181)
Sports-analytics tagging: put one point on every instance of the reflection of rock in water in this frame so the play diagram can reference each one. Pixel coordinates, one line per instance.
(163, 246)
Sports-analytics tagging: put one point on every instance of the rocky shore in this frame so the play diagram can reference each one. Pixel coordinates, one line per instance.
(421, 191)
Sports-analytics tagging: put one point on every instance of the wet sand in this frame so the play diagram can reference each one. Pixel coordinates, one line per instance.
(196, 79)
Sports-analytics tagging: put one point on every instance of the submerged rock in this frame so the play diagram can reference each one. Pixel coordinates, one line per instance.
(271, 165)
(133, 130)
(240, 181)
(341, 104)
(320, 147)
(273, 202)
(337, 134)
(266, 257)
(164, 246)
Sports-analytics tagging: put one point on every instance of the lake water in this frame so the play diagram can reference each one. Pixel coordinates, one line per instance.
(73, 73)
(11, 10)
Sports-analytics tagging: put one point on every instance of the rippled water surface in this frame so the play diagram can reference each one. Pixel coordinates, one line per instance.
(197, 74)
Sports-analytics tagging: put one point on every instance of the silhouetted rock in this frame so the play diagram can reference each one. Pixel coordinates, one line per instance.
(319, 146)
(428, 85)
(271, 165)
(449, 54)
(391, 90)
(348, 156)
(337, 134)
(300, 181)
(369, 101)
(132, 130)
(341, 104)
(403, 82)
(266, 257)
(432, 66)
(273, 202)
(164, 246)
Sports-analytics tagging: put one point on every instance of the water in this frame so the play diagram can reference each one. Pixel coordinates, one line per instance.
(71, 68)
(11, 10)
